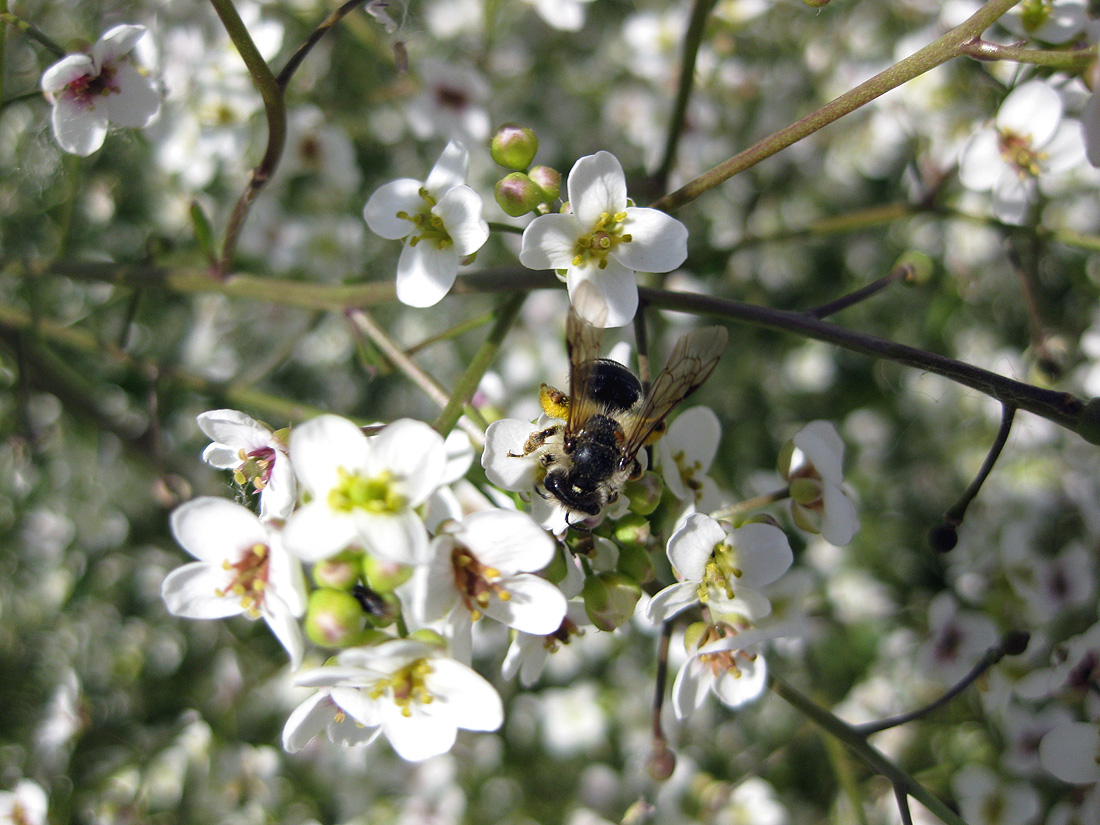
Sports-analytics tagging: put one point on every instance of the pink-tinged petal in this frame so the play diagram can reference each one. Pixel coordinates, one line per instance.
(460, 210)
(321, 447)
(672, 600)
(425, 274)
(691, 547)
(80, 127)
(417, 737)
(503, 460)
(596, 185)
(736, 688)
(307, 720)
(1033, 110)
(215, 529)
(980, 162)
(659, 241)
(191, 591)
(509, 541)
(449, 170)
(473, 702)
(314, 532)
(380, 213)
(401, 538)
(116, 43)
(413, 451)
(1071, 752)
(841, 522)
(690, 688)
(72, 67)
(534, 605)
(550, 241)
(763, 553)
(136, 102)
(616, 287)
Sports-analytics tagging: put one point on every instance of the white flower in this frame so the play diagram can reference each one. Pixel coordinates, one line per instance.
(725, 662)
(528, 653)
(564, 15)
(256, 455)
(687, 451)
(722, 569)
(439, 221)
(363, 491)
(1071, 752)
(241, 568)
(415, 694)
(1027, 142)
(813, 465)
(1049, 21)
(958, 640)
(484, 565)
(603, 240)
(25, 805)
(452, 102)
(509, 469)
(985, 797)
(89, 91)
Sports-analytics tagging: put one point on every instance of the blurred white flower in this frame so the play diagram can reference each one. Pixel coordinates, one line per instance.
(812, 463)
(439, 220)
(256, 455)
(987, 798)
(958, 640)
(91, 91)
(564, 15)
(1071, 751)
(26, 804)
(1048, 21)
(452, 103)
(242, 568)
(415, 694)
(363, 491)
(603, 240)
(1027, 142)
(722, 569)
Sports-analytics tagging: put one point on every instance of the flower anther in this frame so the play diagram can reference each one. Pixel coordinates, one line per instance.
(406, 686)
(249, 582)
(378, 494)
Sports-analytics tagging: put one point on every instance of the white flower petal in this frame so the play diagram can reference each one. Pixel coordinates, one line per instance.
(672, 600)
(507, 540)
(734, 689)
(417, 737)
(398, 537)
(980, 162)
(1033, 110)
(460, 210)
(691, 547)
(763, 553)
(191, 591)
(116, 43)
(658, 241)
(616, 287)
(690, 687)
(233, 429)
(307, 720)
(80, 128)
(596, 184)
(380, 212)
(285, 627)
(314, 532)
(71, 67)
(425, 274)
(534, 605)
(822, 447)
(320, 447)
(1071, 750)
(136, 102)
(472, 703)
(449, 170)
(503, 460)
(412, 451)
(841, 522)
(549, 242)
(215, 529)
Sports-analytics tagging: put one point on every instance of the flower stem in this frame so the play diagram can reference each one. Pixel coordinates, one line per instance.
(900, 272)
(947, 47)
(29, 31)
(954, 516)
(1061, 59)
(275, 109)
(283, 80)
(754, 503)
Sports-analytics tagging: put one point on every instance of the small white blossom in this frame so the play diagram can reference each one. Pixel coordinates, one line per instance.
(813, 466)
(256, 455)
(363, 491)
(1048, 21)
(563, 15)
(242, 568)
(687, 450)
(91, 91)
(958, 640)
(987, 798)
(722, 569)
(415, 694)
(25, 805)
(507, 468)
(603, 240)
(1027, 143)
(726, 662)
(528, 653)
(485, 565)
(439, 220)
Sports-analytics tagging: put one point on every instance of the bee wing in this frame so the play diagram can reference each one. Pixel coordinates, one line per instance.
(583, 343)
(692, 361)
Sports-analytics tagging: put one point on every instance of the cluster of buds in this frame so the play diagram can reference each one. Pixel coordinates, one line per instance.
(525, 188)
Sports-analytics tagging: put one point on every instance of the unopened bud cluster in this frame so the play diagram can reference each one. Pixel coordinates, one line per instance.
(525, 188)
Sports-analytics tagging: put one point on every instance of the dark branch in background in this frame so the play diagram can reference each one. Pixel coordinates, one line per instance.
(1013, 644)
(296, 59)
(661, 762)
(944, 535)
(905, 272)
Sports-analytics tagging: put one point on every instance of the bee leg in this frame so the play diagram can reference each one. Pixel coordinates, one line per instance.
(536, 440)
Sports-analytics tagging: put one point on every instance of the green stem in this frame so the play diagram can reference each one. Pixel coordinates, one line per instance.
(29, 31)
(947, 47)
(1064, 60)
(296, 59)
(749, 504)
(274, 107)
(693, 38)
(466, 386)
(871, 756)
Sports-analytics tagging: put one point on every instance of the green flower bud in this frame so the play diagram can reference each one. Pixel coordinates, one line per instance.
(806, 490)
(514, 146)
(517, 194)
(633, 529)
(548, 180)
(644, 493)
(340, 572)
(384, 576)
(609, 599)
(636, 564)
(334, 618)
(918, 267)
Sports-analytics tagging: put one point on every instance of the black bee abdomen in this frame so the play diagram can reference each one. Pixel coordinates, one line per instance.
(613, 386)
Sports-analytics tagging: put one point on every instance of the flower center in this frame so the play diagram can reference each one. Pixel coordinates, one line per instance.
(720, 573)
(87, 88)
(249, 578)
(381, 494)
(1035, 13)
(407, 686)
(1018, 153)
(428, 226)
(475, 582)
(255, 467)
(604, 237)
(723, 661)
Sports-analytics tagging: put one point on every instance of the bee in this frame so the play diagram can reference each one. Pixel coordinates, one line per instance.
(608, 417)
